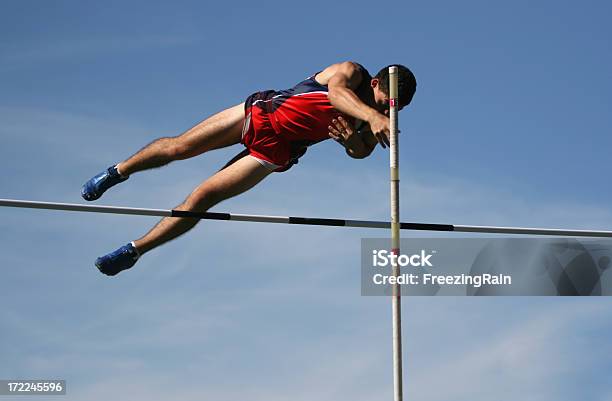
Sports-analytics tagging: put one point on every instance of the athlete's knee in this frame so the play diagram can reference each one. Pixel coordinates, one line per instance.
(204, 198)
(174, 148)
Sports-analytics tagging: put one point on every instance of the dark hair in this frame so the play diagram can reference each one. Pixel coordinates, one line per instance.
(406, 83)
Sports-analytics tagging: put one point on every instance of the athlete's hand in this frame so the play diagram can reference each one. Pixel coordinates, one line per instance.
(380, 126)
(340, 130)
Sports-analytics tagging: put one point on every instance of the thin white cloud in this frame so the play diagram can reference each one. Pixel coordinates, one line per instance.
(17, 54)
(534, 357)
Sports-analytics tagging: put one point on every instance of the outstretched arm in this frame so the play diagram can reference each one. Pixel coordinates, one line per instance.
(341, 85)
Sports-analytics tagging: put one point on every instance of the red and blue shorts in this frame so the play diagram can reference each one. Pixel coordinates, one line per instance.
(273, 150)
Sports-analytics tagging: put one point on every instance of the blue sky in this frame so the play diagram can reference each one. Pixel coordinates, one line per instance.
(510, 126)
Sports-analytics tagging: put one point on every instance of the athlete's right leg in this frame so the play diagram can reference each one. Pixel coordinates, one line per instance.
(218, 131)
(221, 130)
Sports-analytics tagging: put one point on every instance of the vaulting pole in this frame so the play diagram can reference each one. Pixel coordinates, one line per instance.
(396, 300)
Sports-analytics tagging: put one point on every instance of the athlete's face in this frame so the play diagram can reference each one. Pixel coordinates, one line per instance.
(381, 99)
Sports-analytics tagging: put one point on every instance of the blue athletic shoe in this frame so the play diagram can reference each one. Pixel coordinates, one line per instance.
(94, 188)
(121, 259)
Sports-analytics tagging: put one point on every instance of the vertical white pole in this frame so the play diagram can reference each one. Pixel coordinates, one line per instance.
(395, 236)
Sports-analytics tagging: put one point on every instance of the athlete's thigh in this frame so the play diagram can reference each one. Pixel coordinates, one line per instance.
(218, 131)
(233, 180)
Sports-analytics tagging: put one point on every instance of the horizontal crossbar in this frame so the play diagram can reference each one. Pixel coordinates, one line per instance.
(315, 221)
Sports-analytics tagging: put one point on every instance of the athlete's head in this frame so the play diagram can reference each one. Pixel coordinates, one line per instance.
(406, 86)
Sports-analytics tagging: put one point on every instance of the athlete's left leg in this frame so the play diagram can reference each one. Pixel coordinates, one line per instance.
(233, 180)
